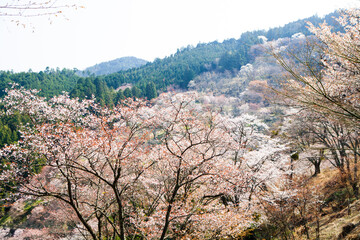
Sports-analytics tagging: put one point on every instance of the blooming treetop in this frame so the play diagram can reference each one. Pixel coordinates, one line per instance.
(134, 170)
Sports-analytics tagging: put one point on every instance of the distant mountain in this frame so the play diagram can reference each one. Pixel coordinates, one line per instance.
(178, 69)
(172, 72)
(113, 66)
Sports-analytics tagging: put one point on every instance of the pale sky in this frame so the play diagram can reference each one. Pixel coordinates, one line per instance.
(147, 29)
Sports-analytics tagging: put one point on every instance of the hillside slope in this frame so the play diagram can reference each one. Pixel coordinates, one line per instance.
(112, 66)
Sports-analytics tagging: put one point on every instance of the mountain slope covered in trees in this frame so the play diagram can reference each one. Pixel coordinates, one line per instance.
(187, 63)
(175, 70)
(147, 81)
(116, 65)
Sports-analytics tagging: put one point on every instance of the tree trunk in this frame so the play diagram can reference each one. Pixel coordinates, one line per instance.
(317, 168)
(355, 185)
(317, 227)
(167, 221)
(168, 212)
(306, 229)
(355, 188)
(120, 213)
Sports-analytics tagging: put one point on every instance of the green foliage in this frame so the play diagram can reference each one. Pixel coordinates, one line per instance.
(20, 217)
(177, 69)
(136, 92)
(51, 82)
(295, 156)
(7, 190)
(301, 26)
(9, 128)
(9, 133)
(187, 77)
(93, 87)
(232, 61)
(127, 93)
(150, 91)
(119, 97)
(85, 88)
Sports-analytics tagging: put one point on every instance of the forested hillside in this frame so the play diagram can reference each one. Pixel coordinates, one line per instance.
(187, 63)
(112, 66)
(255, 138)
(51, 82)
(223, 60)
(175, 70)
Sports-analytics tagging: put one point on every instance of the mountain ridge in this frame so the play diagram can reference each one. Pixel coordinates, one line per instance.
(112, 66)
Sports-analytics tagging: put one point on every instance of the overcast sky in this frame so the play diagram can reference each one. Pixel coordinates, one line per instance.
(147, 29)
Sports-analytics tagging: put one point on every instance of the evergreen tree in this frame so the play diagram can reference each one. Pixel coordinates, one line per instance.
(188, 76)
(136, 92)
(150, 91)
(99, 89)
(119, 97)
(127, 93)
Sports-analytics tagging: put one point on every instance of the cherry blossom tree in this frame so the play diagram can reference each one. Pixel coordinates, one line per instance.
(292, 203)
(34, 8)
(89, 159)
(324, 75)
(323, 80)
(154, 172)
(303, 137)
(325, 139)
